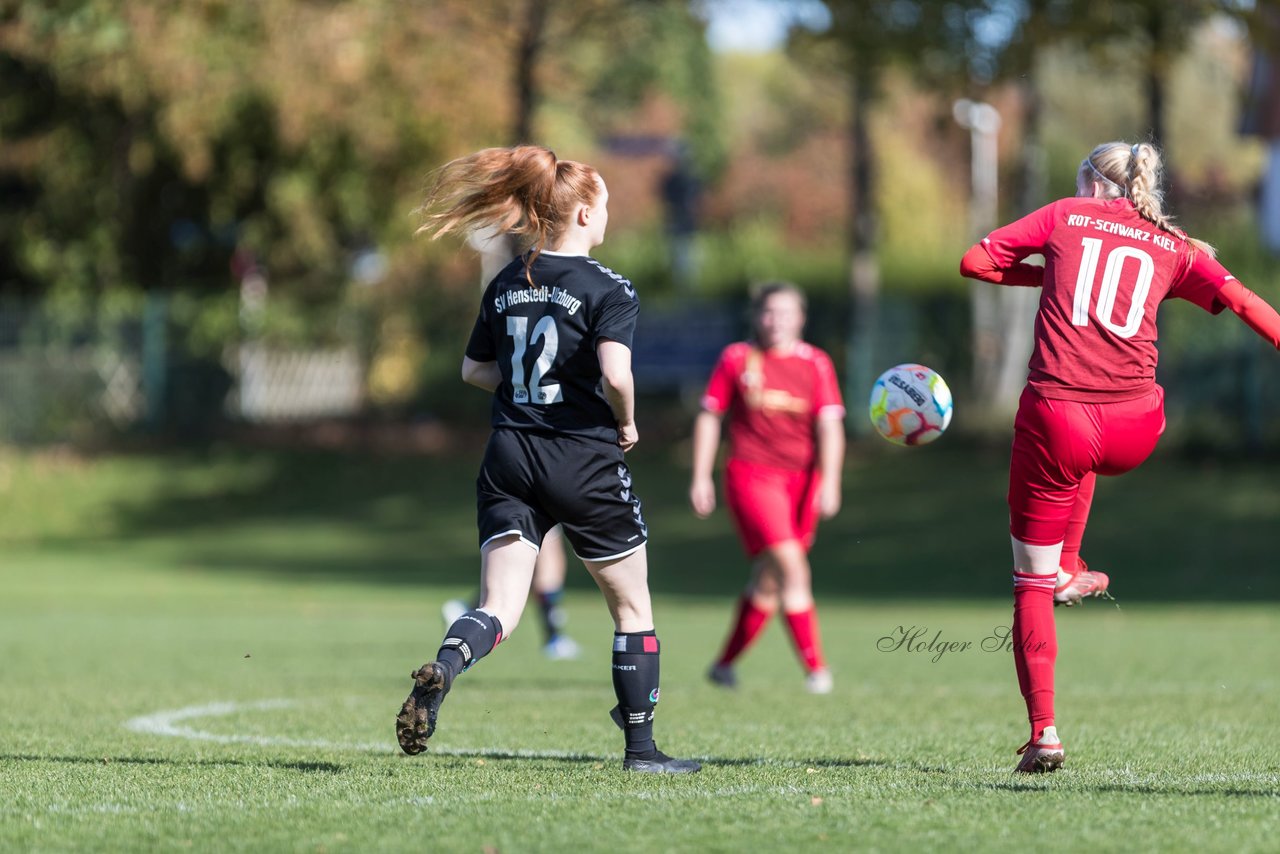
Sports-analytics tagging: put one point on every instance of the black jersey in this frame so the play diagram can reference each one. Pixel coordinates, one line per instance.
(543, 337)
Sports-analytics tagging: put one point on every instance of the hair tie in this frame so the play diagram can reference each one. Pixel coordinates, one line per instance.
(1133, 152)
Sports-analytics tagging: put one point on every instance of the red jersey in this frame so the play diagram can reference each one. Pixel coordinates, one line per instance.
(773, 401)
(1106, 272)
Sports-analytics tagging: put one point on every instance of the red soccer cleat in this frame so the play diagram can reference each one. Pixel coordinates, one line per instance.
(1042, 756)
(1082, 583)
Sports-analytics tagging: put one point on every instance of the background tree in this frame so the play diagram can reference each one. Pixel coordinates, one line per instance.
(145, 146)
(866, 38)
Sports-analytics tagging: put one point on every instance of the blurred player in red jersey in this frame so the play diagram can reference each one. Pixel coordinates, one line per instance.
(786, 440)
(1092, 405)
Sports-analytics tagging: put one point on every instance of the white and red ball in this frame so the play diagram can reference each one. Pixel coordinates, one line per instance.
(910, 405)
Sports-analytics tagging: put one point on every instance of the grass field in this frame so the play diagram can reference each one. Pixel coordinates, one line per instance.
(207, 651)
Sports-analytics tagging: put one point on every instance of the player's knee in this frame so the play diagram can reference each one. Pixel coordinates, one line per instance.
(632, 615)
(791, 561)
(764, 587)
(507, 615)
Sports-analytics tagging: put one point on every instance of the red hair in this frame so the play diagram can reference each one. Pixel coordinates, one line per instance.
(523, 191)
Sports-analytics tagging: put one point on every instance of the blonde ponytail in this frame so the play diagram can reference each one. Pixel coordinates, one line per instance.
(1135, 171)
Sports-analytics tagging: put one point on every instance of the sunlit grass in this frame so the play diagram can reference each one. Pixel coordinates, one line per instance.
(209, 651)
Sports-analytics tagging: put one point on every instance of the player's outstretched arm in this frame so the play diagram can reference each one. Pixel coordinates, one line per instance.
(1253, 310)
(977, 263)
(485, 375)
(619, 388)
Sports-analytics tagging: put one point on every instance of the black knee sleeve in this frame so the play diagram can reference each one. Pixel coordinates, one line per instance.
(471, 637)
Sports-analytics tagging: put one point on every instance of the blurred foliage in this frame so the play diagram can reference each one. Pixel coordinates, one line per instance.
(144, 144)
(174, 147)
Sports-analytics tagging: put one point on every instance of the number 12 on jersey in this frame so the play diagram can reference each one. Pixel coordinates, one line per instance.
(1110, 286)
(518, 329)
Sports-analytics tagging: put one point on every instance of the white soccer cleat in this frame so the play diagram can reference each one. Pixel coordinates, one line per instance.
(819, 682)
(451, 610)
(1043, 755)
(561, 648)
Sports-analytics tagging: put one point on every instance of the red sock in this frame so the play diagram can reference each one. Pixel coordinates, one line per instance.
(1076, 524)
(746, 628)
(1035, 645)
(804, 632)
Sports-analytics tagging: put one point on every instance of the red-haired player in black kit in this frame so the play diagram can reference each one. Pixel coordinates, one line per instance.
(1091, 405)
(552, 343)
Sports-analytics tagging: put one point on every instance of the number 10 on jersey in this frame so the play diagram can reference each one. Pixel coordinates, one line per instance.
(1110, 287)
(545, 329)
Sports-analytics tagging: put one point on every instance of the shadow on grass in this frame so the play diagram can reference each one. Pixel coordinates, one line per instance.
(708, 761)
(107, 761)
(1143, 789)
(928, 522)
(828, 762)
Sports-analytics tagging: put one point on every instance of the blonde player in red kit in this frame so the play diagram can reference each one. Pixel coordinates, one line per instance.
(1091, 405)
(786, 440)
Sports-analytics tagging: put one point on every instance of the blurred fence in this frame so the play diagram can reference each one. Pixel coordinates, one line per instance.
(275, 385)
(676, 346)
(57, 382)
(54, 393)
(62, 380)
(99, 376)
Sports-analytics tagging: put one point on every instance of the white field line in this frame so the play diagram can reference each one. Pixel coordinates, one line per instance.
(172, 724)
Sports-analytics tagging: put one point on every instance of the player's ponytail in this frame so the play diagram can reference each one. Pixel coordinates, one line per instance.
(523, 191)
(1134, 171)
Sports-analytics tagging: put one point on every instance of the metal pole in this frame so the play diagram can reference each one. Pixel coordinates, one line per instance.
(983, 123)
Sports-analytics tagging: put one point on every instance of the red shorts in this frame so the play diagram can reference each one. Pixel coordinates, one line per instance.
(1057, 442)
(771, 505)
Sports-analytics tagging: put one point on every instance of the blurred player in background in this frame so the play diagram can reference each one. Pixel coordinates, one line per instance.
(786, 456)
(496, 251)
(552, 342)
(1092, 405)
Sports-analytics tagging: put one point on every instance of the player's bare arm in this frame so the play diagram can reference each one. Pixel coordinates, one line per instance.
(619, 389)
(485, 375)
(831, 444)
(706, 442)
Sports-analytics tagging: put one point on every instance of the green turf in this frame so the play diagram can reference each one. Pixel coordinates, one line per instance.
(209, 651)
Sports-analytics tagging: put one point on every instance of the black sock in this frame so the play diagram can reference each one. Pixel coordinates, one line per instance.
(635, 682)
(552, 614)
(471, 637)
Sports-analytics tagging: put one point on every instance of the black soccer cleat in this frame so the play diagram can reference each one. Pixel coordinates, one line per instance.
(661, 763)
(723, 675)
(417, 719)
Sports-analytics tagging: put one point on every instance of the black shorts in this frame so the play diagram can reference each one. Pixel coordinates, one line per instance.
(529, 482)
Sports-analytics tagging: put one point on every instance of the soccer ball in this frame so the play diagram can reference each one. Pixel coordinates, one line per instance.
(910, 405)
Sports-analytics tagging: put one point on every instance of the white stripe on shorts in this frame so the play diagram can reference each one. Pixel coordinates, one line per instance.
(611, 557)
(528, 542)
